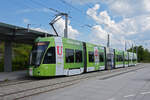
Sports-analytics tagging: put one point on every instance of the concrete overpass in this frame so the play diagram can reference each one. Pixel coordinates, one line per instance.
(11, 33)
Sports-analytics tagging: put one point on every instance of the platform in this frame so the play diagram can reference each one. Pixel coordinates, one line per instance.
(4, 76)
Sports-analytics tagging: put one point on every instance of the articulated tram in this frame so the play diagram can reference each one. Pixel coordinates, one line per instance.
(55, 56)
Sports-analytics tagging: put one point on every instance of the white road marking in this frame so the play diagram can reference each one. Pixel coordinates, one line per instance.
(111, 99)
(145, 92)
(131, 95)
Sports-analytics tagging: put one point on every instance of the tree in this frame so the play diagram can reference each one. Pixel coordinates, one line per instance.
(143, 54)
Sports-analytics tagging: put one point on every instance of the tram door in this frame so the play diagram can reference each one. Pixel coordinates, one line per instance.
(110, 59)
(96, 55)
(59, 56)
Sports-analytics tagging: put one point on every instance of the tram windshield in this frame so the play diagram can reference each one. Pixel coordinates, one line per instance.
(37, 53)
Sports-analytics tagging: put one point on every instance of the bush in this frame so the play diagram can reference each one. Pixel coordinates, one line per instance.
(2, 65)
(20, 56)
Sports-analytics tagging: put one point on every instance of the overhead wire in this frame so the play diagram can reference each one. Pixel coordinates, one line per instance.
(66, 3)
(18, 4)
(52, 9)
(57, 11)
(77, 9)
(43, 5)
(33, 7)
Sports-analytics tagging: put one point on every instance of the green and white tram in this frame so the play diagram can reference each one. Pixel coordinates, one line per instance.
(55, 56)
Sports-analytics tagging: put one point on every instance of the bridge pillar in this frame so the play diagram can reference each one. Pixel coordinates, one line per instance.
(8, 56)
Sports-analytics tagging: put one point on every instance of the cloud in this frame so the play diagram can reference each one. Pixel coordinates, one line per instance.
(82, 2)
(99, 36)
(60, 25)
(26, 21)
(106, 26)
(40, 29)
(102, 17)
(125, 8)
(134, 28)
(146, 5)
(121, 7)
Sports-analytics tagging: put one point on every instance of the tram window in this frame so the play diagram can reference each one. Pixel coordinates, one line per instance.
(50, 57)
(78, 55)
(69, 55)
(126, 59)
(117, 58)
(120, 58)
(91, 56)
(101, 57)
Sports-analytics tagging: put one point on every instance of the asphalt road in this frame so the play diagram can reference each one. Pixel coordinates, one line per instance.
(133, 85)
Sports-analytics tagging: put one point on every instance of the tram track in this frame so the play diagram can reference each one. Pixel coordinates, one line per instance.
(50, 86)
(24, 80)
(15, 82)
(35, 90)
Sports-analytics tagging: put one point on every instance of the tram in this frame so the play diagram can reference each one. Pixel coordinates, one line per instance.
(57, 56)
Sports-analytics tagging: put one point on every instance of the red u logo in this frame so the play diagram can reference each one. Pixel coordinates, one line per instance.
(96, 52)
(58, 50)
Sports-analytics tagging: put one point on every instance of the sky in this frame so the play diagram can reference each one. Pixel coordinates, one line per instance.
(89, 20)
